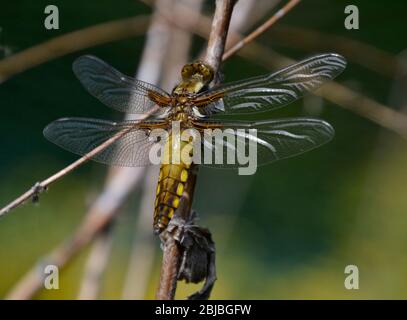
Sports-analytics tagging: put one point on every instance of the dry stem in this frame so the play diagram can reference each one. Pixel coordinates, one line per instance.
(96, 265)
(43, 185)
(72, 42)
(364, 54)
(172, 253)
(176, 54)
(260, 30)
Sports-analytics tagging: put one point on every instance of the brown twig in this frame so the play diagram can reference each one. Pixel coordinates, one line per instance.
(72, 42)
(260, 30)
(171, 250)
(169, 270)
(364, 54)
(248, 13)
(172, 253)
(98, 217)
(143, 248)
(43, 185)
(219, 30)
(96, 265)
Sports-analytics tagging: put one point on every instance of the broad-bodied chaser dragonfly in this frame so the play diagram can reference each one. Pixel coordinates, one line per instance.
(192, 103)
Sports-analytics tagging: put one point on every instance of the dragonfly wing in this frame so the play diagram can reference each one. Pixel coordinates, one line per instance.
(116, 90)
(273, 139)
(272, 91)
(82, 135)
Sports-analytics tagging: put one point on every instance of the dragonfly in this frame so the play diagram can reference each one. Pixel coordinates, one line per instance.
(194, 105)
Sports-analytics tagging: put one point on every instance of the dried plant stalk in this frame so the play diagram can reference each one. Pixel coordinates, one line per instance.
(96, 266)
(143, 249)
(72, 42)
(172, 253)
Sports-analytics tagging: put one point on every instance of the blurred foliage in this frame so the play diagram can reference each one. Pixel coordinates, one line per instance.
(286, 232)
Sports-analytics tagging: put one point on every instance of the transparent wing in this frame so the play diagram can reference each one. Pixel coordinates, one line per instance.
(116, 90)
(272, 91)
(82, 135)
(273, 140)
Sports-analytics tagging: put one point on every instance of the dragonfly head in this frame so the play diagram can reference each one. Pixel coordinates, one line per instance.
(195, 76)
(197, 70)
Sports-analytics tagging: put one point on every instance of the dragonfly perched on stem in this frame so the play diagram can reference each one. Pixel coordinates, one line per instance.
(191, 104)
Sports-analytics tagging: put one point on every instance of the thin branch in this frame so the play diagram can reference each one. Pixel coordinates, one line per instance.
(171, 250)
(98, 217)
(260, 30)
(172, 253)
(144, 245)
(72, 42)
(248, 13)
(219, 30)
(143, 248)
(169, 271)
(96, 265)
(377, 112)
(364, 54)
(43, 185)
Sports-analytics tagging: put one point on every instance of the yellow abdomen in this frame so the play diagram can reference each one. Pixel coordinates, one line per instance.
(171, 184)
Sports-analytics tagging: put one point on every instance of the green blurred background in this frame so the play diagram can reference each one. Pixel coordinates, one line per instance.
(289, 231)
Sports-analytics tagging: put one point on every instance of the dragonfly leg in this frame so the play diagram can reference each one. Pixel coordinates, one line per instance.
(198, 254)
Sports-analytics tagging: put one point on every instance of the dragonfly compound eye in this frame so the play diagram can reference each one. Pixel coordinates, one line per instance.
(187, 71)
(206, 71)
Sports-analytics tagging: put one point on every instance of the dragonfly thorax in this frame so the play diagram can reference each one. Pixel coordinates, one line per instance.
(182, 100)
(181, 115)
